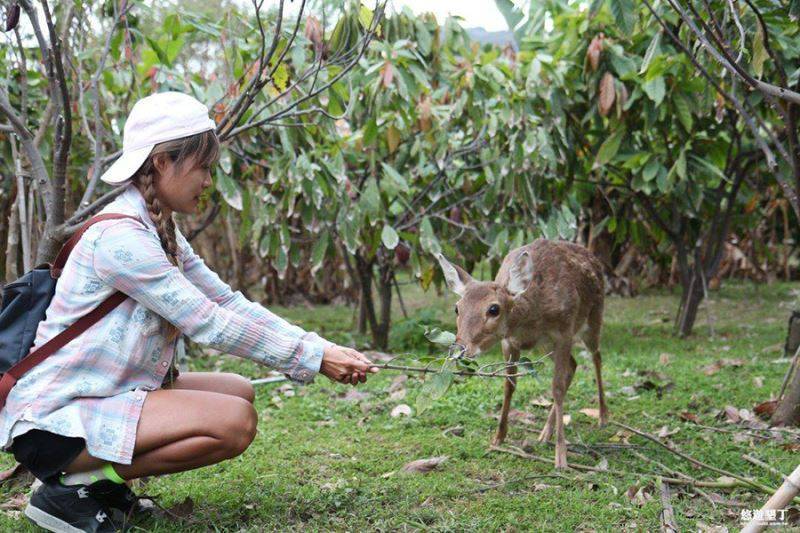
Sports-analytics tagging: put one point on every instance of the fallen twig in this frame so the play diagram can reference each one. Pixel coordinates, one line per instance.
(577, 466)
(668, 524)
(746, 481)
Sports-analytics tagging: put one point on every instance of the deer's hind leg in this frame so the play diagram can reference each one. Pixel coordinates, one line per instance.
(591, 337)
(511, 356)
(567, 368)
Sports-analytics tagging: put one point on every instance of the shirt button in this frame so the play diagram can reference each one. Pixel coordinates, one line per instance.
(163, 363)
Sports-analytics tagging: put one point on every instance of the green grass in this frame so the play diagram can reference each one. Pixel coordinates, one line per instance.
(319, 460)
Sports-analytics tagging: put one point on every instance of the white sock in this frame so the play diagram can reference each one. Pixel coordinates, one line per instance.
(87, 478)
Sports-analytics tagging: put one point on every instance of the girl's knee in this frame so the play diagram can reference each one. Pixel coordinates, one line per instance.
(241, 387)
(241, 427)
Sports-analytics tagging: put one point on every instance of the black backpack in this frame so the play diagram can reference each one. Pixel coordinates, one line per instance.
(24, 305)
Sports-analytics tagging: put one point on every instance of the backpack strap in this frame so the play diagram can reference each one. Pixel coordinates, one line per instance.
(82, 324)
(63, 254)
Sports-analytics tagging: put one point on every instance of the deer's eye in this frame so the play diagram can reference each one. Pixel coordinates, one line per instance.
(456, 309)
(493, 310)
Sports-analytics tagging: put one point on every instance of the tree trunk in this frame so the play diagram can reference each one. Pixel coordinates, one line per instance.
(788, 410)
(381, 333)
(690, 302)
(12, 246)
(364, 269)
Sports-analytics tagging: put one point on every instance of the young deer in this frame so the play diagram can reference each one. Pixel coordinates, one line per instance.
(545, 291)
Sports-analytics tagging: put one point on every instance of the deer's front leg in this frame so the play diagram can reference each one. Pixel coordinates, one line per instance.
(511, 356)
(562, 377)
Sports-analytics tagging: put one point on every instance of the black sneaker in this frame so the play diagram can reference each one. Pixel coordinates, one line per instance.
(117, 496)
(68, 509)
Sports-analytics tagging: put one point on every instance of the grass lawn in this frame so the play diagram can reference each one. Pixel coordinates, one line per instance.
(324, 460)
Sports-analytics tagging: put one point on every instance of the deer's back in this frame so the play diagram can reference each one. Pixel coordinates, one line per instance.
(567, 282)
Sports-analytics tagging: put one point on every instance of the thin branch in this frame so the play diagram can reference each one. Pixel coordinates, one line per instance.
(747, 481)
(767, 88)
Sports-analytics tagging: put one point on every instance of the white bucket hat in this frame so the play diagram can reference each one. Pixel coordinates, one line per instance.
(156, 119)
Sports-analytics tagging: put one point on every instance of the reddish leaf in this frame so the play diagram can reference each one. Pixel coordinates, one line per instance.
(387, 74)
(593, 52)
(689, 417)
(607, 94)
(766, 409)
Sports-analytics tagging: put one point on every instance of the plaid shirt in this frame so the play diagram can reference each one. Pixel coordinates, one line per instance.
(95, 386)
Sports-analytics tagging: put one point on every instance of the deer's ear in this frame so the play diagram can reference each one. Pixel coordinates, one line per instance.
(520, 274)
(456, 277)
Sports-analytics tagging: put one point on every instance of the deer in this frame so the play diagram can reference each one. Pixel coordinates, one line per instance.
(546, 291)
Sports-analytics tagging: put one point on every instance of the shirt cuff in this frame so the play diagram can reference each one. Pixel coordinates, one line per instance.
(309, 362)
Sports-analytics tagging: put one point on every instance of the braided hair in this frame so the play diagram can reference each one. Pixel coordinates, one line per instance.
(200, 149)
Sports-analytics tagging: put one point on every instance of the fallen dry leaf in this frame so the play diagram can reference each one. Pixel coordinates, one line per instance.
(456, 431)
(639, 495)
(15, 502)
(398, 383)
(732, 414)
(719, 364)
(664, 358)
(354, 395)
(522, 416)
(591, 412)
(623, 436)
(766, 409)
(567, 419)
(690, 417)
(287, 390)
(401, 410)
(423, 466)
(758, 382)
(666, 432)
(397, 395)
(791, 447)
(541, 401)
(18, 474)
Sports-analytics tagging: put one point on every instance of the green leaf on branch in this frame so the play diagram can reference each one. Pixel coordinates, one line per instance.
(389, 237)
(395, 177)
(318, 252)
(434, 388)
(229, 189)
(427, 239)
(609, 148)
(624, 12)
(652, 51)
(437, 336)
(759, 52)
(655, 89)
(682, 106)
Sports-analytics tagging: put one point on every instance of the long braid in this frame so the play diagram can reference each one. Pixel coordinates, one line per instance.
(165, 225)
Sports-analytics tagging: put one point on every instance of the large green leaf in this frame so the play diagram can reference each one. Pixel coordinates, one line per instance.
(609, 148)
(389, 237)
(229, 189)
(427, 239)
(624, 12)
(655, 89)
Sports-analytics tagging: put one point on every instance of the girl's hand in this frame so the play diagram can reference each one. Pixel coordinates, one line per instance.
(345, 365)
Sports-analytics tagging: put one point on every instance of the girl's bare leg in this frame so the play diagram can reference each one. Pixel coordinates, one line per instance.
(182, 429)
(222, 382)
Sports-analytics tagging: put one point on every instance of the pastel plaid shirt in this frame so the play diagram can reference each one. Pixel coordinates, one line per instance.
(96, 385)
